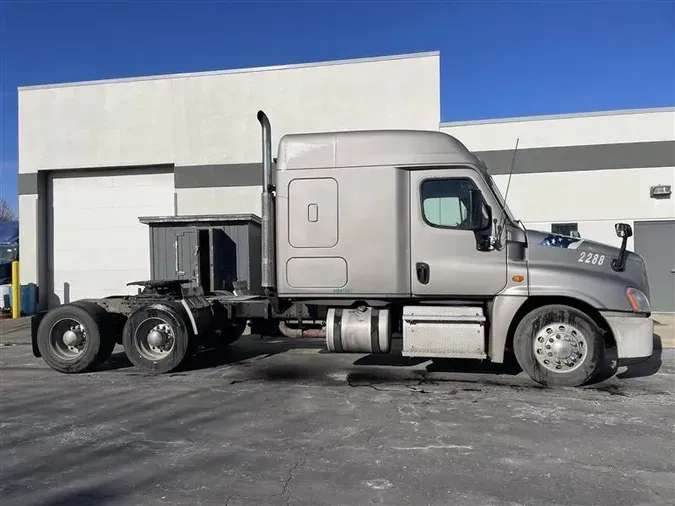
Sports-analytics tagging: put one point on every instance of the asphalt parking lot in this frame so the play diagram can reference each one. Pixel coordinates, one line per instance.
(277, 422)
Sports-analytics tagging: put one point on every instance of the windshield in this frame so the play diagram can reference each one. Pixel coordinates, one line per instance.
(9, 253)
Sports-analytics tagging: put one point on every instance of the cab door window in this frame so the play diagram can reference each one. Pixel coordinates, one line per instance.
(445, 202)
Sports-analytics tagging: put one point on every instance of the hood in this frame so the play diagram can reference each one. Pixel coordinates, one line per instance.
(548, 239)
(583, 266)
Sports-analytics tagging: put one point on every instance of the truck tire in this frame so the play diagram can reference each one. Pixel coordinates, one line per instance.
(558, 345)
(157, 338)
(72, 338)
(227, 334)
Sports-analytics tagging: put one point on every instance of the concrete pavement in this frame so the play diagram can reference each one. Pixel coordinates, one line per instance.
(15, 331)
(664, 327)
(283, 423)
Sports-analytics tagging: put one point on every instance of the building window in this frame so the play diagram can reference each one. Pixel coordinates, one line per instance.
(566, 229)
(445, 202)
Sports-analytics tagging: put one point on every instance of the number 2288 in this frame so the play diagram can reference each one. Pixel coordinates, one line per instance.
(591, 258)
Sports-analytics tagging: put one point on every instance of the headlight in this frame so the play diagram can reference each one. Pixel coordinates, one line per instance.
(638, 300)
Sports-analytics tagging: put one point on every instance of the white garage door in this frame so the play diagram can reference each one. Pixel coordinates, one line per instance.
(98, 244)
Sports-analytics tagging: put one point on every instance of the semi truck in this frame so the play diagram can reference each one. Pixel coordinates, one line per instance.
(375, 235)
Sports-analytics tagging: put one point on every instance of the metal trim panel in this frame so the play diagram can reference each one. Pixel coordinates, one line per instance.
(444, 331)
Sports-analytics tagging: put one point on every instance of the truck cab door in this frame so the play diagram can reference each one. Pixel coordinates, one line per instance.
(447, 258)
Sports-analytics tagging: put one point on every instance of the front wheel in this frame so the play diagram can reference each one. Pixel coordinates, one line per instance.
(558, 345)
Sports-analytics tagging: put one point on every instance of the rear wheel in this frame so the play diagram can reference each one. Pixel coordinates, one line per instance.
(228, 333)
(558, 345)
(73, 338)
(157, 339)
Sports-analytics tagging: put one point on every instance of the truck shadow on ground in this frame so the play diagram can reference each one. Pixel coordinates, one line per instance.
(510, 366)
(248, 348)
(447, 365)
(255, 349)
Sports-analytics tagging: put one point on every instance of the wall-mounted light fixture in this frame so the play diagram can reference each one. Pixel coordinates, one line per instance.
(660, 191)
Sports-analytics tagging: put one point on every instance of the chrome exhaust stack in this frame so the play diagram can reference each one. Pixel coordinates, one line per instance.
(268, 218)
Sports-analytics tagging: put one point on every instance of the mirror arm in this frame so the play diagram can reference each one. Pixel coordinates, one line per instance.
(619, 263)
(623, 230)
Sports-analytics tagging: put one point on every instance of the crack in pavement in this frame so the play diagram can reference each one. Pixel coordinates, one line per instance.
(287, 489)
(287, 484)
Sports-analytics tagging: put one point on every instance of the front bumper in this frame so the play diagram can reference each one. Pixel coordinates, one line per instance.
(633, 333)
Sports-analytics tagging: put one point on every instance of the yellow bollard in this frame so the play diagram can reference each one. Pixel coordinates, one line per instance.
(16, 290)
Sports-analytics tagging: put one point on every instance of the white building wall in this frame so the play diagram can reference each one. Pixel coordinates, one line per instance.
(595, 199)
(566, 130)
(219, 200)
(210, 118)
(215, 116)
(105, 124)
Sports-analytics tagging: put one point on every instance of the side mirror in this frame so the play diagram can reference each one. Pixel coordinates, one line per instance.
(477, 220)
(623, 230)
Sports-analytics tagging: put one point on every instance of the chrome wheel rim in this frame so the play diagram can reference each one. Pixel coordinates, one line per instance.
(560, 347)
(154, 339)
(68, 338)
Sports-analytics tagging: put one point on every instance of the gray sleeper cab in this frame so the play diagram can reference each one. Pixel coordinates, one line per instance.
(384, 215)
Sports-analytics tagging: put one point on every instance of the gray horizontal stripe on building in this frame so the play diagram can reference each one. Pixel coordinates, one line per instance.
(591, 157)
(27, 184)
(528, 161)
(212, 176)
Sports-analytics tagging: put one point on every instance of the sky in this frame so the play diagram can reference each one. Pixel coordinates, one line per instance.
(498, 58)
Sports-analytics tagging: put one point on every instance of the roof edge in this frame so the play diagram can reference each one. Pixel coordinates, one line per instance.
(515, 119)
(184, 75)
(199, 218)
